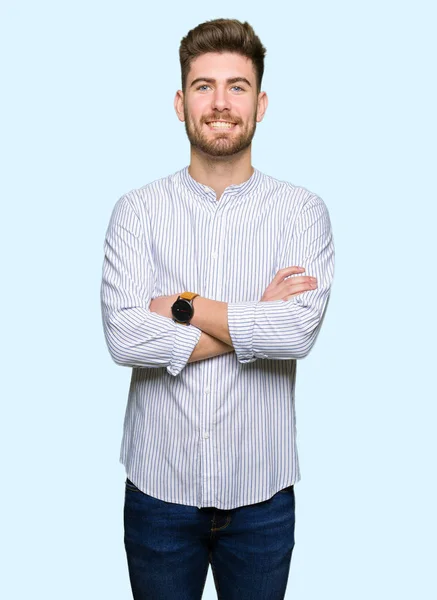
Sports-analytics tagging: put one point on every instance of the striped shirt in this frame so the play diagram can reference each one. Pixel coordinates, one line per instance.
(219, 432)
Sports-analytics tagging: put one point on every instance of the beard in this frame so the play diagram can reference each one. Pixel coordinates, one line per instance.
(219, 144)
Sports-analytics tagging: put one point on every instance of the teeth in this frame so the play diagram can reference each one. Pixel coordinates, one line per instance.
(221, 124)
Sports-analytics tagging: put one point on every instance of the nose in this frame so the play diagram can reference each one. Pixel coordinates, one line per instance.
(220, 99)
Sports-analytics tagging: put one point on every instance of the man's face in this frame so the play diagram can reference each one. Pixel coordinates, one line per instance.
(221, 105)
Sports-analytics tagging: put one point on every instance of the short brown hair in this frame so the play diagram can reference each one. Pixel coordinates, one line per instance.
(222, 35)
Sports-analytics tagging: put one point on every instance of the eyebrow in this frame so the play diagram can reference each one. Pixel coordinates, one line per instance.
(230, 80)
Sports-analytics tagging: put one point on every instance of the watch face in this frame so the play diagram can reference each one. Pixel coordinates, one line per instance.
(182, 310)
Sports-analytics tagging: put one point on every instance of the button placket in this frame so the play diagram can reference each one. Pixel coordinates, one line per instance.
(212, 290)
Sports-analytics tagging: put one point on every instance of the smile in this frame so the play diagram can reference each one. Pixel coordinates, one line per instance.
(221, 125)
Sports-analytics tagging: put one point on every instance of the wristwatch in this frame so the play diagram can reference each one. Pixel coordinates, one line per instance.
(183, 310)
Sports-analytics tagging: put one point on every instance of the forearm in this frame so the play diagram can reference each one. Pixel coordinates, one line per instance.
(211, 316)
(208, 347)
(277, 330)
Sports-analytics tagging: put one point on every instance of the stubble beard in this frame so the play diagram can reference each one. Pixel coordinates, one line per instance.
(223, 144)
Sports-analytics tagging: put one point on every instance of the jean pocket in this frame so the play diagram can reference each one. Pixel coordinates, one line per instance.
(286, 490)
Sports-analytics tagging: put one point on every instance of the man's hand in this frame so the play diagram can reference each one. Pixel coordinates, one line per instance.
(284, 289)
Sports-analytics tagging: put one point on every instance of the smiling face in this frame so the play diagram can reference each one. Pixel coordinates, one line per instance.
(221, 105)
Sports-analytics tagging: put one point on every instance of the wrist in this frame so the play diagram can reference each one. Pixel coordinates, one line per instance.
(182, 309)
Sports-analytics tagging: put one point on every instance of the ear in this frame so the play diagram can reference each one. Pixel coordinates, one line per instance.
(179, 105)
(263, 102)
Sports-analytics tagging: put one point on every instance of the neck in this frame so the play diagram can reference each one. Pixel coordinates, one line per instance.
(221, 171)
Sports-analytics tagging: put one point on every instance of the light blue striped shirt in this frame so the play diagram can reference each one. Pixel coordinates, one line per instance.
(218, 432)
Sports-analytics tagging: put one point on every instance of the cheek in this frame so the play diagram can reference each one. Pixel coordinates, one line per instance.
(198, 109)
(244, 109)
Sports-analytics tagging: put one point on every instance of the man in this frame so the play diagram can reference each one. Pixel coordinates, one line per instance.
(215, 282)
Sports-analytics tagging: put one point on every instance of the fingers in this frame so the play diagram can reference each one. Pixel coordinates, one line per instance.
(299, 289)
(289, 288)
(283, 287)
(282, 273)
(301, 279)
(309, 281)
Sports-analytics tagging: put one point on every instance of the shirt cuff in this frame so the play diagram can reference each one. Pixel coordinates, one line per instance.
(241, 323)
(186, 338)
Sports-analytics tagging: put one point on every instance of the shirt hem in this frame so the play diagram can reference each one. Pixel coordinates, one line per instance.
(220, 505)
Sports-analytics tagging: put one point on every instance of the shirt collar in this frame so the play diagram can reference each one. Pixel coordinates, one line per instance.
(240, 189)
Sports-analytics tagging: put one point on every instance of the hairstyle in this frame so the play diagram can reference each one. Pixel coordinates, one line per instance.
(222, 35)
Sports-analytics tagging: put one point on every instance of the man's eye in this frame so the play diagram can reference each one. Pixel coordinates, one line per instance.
(237, 87)
(202, 86)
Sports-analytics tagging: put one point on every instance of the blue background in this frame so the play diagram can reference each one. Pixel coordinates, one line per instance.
(87, 114)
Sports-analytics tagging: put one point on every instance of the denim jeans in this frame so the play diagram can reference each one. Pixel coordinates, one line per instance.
(169, 547)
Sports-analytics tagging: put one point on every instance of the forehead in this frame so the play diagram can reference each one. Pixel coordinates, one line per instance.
(221, 65)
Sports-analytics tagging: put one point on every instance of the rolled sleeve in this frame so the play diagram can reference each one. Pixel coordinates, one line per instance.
(135, 336)
(241, 318)
(186, 339)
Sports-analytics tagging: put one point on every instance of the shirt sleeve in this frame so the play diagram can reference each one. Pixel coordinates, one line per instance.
(284, 330)
(137, 337)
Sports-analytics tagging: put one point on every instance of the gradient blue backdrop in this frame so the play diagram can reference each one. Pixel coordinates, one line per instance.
(87, 114)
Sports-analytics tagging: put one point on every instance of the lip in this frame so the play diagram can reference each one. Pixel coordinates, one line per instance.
(221, 128)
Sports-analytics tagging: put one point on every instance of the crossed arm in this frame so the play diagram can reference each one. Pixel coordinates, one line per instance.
(282, 325)
(215, 338)
(211, 316)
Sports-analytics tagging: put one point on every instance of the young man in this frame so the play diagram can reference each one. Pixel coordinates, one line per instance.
(215, 282)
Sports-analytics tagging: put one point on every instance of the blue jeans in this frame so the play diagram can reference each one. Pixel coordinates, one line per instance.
(169, 547)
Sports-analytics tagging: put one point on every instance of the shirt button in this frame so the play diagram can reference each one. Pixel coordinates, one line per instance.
(214, 255)
(207, 390)
(206, 435)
